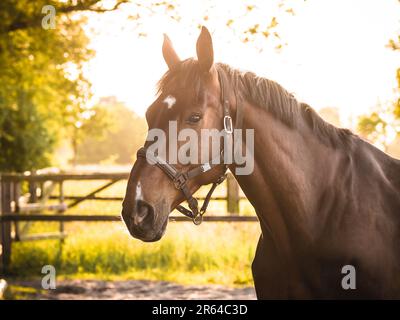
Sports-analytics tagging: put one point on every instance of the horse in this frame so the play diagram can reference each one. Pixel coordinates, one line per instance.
(325, 198)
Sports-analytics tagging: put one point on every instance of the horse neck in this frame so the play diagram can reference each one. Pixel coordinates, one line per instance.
(291, 171)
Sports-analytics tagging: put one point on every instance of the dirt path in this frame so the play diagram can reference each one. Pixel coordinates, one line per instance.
(137, 289)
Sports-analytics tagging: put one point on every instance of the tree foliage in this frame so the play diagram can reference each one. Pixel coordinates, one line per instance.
(91, 123)
(42, 85)
(124, 135)
(380, 126)
(384, 122)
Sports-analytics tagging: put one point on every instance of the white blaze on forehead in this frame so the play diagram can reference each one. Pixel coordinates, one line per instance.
(170, 101)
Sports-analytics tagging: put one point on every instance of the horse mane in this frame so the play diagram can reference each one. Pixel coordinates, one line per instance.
(264, 93)
(272, 97)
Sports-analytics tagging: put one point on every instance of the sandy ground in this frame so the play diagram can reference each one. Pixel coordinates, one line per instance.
(137, 289)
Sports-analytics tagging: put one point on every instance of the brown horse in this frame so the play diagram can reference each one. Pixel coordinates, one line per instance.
(324, 197)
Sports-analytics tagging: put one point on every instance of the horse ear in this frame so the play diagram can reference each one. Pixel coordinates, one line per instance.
(170, 56)
(205, 52)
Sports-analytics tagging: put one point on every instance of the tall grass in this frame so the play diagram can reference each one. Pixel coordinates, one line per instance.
(212, 253)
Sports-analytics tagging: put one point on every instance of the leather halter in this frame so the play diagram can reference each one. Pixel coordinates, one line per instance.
(180, 178)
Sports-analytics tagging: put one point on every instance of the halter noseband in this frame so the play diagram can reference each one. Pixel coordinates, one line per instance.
(180, 179)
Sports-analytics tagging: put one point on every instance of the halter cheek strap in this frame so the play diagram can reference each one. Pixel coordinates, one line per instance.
(180, 179)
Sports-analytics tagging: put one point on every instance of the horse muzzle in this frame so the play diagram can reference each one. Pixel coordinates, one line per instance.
(141, 222)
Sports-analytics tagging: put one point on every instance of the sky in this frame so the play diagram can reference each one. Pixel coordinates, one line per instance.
(336, 54)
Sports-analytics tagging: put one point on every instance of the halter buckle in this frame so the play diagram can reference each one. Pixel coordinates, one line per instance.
(228, 126)
(179, 181)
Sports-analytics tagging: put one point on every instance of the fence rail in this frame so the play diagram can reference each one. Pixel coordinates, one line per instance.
(99, 218)
(14, 211)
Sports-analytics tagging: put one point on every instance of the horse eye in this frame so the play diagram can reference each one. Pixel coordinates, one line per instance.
(195, 117)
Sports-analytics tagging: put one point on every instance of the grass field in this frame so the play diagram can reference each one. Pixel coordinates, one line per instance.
(218, 253)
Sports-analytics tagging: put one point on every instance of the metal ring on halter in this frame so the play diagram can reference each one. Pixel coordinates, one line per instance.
(228, 126)
(197, 220)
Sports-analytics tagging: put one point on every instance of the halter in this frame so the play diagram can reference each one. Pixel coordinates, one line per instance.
(180, 178)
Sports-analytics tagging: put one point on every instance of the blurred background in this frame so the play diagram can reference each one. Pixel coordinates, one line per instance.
(75, 84)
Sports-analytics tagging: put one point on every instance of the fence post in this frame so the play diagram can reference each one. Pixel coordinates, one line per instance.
(1, 227)
(232, 195)
(5, 225)
(33, 189)
(61, 200)
(16, 193)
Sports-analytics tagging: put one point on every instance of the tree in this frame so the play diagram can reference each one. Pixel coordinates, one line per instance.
(383, 124)
(24, 139)
(380, 126)
(126, 133)
(91, 123)
(42, 85)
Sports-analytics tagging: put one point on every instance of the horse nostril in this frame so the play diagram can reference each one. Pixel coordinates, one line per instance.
(143, 209)
(144, 214)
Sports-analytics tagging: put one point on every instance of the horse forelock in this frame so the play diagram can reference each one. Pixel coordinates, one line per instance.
(183, 80)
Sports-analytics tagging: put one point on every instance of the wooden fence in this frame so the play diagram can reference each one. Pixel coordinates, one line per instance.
(41, 190)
